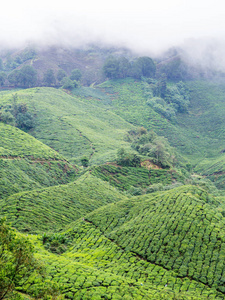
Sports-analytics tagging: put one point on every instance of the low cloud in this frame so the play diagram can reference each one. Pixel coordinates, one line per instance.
(149, 28)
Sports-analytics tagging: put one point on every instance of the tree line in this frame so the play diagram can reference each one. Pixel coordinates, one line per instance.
(121, 67)
(26, 77)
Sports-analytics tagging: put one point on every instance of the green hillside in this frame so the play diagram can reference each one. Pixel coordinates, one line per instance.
(202, 126)
(166, 245)
(125, 178)
(16, 143)
(180, 230)
(108, 230)
(197, 134)
(52, 208)
(26, 163)
(71, 127)
(128, 98)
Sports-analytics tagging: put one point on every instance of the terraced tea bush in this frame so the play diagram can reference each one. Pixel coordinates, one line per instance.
(96, 267)
(52, 208)
(17, 175)
(124, 178)
(16, 143)
(180, 230)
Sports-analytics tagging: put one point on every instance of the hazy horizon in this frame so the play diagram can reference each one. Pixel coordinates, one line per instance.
(144, 27)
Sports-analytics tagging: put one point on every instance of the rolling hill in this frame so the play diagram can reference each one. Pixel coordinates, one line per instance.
(107, 231)
(162, 246)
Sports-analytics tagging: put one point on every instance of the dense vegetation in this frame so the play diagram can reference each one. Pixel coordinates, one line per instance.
(113, 191)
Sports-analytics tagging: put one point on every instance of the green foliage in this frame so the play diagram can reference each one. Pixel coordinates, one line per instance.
(143, 66)
(153, 146)
(72, 127)
(76, 75)
(165, 242)
(49, 78)
(16, 143)
(7, 117)
(125, 178)
(17, 175)
(122, 68)
(168, 100)
(25, 77)
(174, 69)
(60, 75)
(69, 84)
(84, 161)
(52, 208)
(179, 230)
(116, 67)
(17, 114)
(128, 159)
(17, 264)
(56, 243)
(111, 68)
(102, 260)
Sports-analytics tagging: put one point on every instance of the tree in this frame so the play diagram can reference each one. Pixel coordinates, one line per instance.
(68, 84)
(13, 77)
(16, 259)
(143, 66)
(76, 75)
(25, 77)
(124, 67)
(1, 64)
(84, 161)
(49, 78)
(60, 74)
(161, 86)
(17, 264)
(111, 68)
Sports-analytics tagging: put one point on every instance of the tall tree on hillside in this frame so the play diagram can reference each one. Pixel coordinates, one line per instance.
(76, 75)
(60, 74)
(143, 66)
(25, 77)
(111, 68)
(124, 67)
(49, 78)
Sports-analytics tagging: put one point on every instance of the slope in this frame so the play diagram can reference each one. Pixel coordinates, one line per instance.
(198, 134)
(180, 230)
(50, 209)
(95, 267)
(26, 163)
(71, 127)
(167, 245)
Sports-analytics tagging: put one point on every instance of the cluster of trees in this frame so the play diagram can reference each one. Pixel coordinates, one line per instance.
(165, 99)
(127, 159)
(62, 79)
(175, 69)
(26, 77)
(17, 114)
(121, 67)
(151, 145)
(147, 144)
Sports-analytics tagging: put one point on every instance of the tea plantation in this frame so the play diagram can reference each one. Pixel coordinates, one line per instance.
(106, 219)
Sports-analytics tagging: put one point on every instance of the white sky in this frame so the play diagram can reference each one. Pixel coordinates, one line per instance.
(142, 25)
